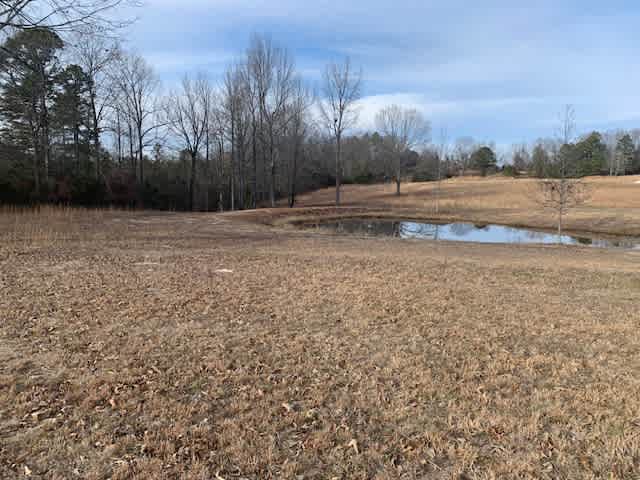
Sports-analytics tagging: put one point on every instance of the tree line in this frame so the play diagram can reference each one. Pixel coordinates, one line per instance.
(84, 121)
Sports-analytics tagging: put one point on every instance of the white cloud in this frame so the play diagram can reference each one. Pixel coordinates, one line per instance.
(438, 110)
(492, 69)
(187, 61)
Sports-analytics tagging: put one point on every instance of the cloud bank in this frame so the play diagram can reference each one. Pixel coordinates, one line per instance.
(494, 70)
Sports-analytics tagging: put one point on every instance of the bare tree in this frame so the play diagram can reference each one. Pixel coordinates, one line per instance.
(442, 155)
(97, 57)
(232, 109)
(520, 157)
(341, 90)
(259, 79)
(187, 118)
(243, 130)
(464, 147)
(62, 15)
(137, 86)
(216, 132)
(243, 125)
(208, 100)
(120, 121)
(403, 129)
(302, 100)
(564, 192)
(251, 92)
(116, 126)
(273, 73)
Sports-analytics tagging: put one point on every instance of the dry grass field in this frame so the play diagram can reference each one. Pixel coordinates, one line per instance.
(137, 345)
(613, 206)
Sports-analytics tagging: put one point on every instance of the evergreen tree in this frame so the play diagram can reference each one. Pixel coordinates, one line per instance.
(635, 166)
(591, 155)
(484, 160)
(28, 64)
(624, 155)
(70, 116)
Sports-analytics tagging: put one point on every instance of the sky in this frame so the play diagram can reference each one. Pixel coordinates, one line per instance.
(498, 71)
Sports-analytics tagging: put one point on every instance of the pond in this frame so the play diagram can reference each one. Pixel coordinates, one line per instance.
(466, 232)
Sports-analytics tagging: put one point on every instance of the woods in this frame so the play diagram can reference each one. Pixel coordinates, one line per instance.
(84, 121)
(97, 128)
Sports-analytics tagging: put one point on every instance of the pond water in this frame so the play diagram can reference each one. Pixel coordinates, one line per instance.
(467, 232)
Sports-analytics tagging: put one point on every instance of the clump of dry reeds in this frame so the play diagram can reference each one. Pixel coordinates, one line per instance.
(50, 224)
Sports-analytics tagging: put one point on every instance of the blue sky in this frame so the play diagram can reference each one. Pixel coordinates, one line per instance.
(494, 70)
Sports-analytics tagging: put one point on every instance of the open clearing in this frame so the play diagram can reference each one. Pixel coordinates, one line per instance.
(208, 346)
(613, 207)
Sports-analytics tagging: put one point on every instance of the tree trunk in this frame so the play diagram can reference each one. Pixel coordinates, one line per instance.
(207, 162)
(76, 144)
(192, 181)
(96, 149)
(119, 139)
(263, 186)
(35, 140)
(220, 172)
(293, 174)
(132, 158)
(561, 205)
(140, 155)
(95, 135)
(45, 140)
(241, 178)
(560, 225)
(272, 164)
(338, 170)
(36, 171)
(255, 168)
(233, 165)
(44, 111)
(439, 173)
(263, 151)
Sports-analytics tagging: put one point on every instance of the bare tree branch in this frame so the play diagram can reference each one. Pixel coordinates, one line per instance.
(87, 16)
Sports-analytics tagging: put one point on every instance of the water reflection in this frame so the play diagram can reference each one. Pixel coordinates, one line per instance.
(468, 232)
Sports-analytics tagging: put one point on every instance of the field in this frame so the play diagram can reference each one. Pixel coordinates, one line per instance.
(613, 206)
(221, 346)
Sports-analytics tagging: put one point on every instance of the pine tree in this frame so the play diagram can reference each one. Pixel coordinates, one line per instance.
(484, 159)
(624, 155)
(70, 114)
(28, 64)
(591, 155)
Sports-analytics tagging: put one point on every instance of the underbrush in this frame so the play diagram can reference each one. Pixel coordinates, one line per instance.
(55, 224)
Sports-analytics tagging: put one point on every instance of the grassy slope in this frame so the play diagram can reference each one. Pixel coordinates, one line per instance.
(613, 207)
(127, 350)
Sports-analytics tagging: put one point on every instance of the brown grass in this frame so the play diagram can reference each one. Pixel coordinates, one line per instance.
(613, 206)
(128, 350)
